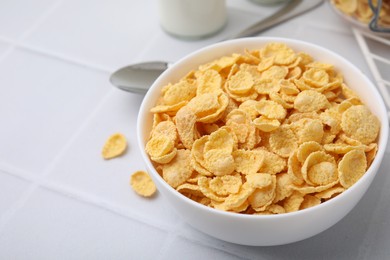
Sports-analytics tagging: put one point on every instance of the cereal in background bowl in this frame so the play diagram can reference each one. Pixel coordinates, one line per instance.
(359, 13)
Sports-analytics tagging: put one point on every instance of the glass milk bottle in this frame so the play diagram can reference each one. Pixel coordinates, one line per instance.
(192, 19)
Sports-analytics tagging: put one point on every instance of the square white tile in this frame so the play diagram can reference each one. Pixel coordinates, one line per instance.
(46, 102)
(12, 189)
(17, 16)
(181, 247)
(97, 32)
(4, 48)
(83, 168)
(59, 227)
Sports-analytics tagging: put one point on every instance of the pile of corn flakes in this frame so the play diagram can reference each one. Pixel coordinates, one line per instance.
(269, 131)
(360, 10)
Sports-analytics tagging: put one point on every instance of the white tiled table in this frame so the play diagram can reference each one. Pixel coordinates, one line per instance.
(60, 200)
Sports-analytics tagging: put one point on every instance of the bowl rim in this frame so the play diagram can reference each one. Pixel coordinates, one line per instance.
(382, 138)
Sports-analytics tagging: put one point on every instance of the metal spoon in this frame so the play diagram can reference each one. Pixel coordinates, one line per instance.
(137, 78)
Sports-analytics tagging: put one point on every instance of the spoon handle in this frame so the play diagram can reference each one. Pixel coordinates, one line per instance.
(292, 9)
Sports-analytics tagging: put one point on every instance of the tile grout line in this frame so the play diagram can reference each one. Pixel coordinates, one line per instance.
(173, 234)
(5, 218)
(31, 188)
(16, 44)
(17, 173)
(104, 204)
(216, 246)
(40, 20)
(37, 182)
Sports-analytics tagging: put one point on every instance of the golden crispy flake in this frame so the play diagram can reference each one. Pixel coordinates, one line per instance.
(305, 59)
(265, 124)
(265, 63)
(319, 169)
(282, 54)
(307, 189)
(316, 77)
(309, 201)
(329, 193)
(184, 90)
(204, 105)
(283, 141)
(223, 102)
(306, 148)
(240, 83)
(199, 168)
(263, 197)
(276, 97)
(331, 118)
(360, 124)
(259, 180)
(177, 171)
(247, 162)
(320, 65)
(293, 202)
(275, 209)
(115, 146)
(142, 184)
(308, 129)
(266, 86)
(288, 88)
(352, 167)
(341, 148)
(220, 139)
(219, 162)
(166, 128)
(219, 64)
(371, 152)
(185, 124)
(249, 107)
(204, 187)
(283, 187)
(294, 169)
(294, 73)
(310, 100)
(190, 189)
(209, 81)
(236, 200)
(275, 73)
(166, 158)
(168, 109)
(226, 184)
(271, 109)
(159, 145)
(272, 163)
(238, 120)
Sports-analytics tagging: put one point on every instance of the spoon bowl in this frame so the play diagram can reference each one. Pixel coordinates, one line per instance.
(137, 78)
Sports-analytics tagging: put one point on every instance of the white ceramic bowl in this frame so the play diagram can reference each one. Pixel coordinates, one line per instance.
(264, 230)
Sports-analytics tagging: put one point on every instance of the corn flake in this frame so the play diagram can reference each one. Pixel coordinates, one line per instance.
(360, 124)
(351, 167)
(310, 100)
(115, 146)
(142, 184)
